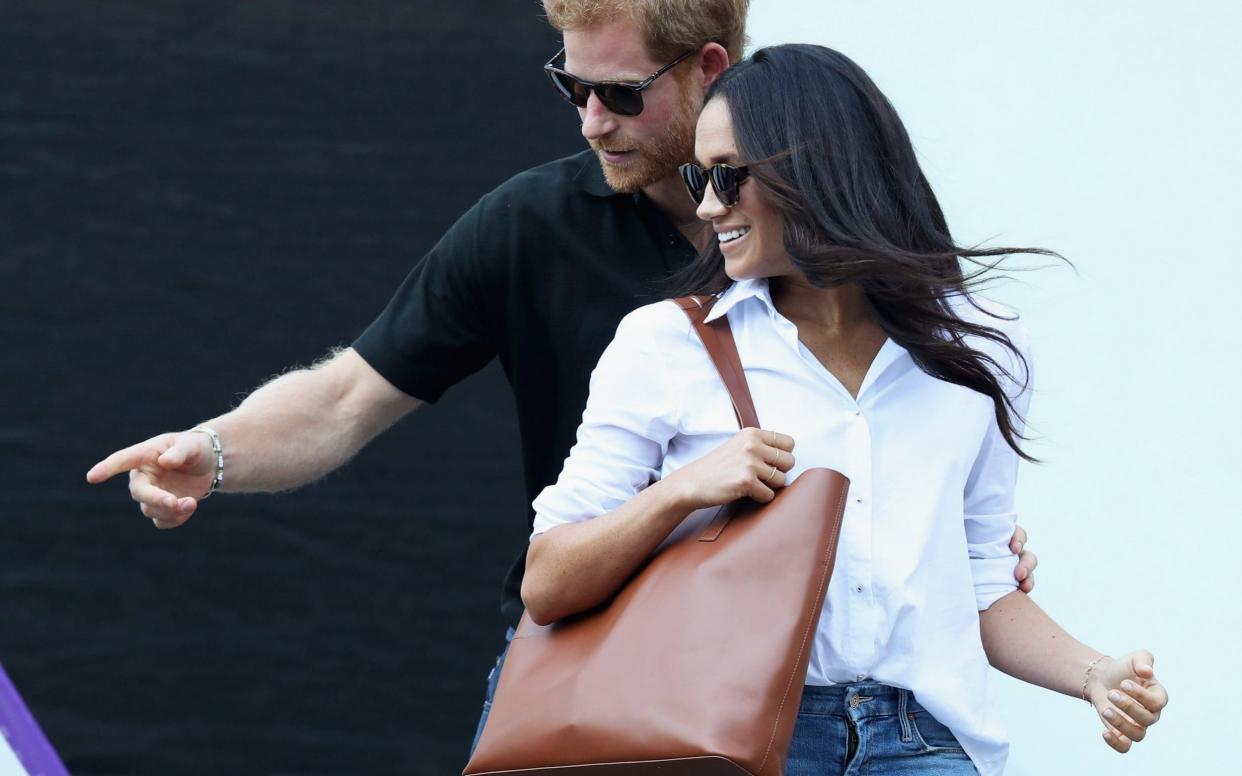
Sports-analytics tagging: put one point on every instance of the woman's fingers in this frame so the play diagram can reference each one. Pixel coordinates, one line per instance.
(760, 492)
(1153, 697)
(783, 460)
(1025, 571)
(1133, 709)
(770, 475)
(1132, 699)
(773, 448)
(1018, 541)
(777, 440)
(1123, 724)
(755, 461)
(1116, 739)
(1144, 687)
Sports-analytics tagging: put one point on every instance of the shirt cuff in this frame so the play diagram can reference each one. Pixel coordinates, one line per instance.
(993, 579)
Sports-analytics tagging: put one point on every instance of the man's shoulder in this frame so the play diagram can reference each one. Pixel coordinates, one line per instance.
(574, 179)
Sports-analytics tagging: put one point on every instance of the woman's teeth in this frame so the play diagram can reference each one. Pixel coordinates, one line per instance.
(732, 235)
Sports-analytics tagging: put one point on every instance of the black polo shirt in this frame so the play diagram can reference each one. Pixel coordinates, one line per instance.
(538, 273)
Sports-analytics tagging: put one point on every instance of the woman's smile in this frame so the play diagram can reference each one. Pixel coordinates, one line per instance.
(730, 238)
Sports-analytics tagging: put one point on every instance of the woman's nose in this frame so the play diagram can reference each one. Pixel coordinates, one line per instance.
(710, 207)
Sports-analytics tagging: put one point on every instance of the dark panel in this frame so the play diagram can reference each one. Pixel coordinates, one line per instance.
(193, 197)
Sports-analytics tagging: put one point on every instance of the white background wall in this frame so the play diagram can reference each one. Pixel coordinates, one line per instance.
(9, 766)
(1108, 132)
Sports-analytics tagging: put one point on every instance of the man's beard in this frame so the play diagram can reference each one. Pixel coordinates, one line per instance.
(655, 159)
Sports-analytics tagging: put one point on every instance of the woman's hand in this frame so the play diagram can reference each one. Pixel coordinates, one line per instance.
(751, 464)
(1126, 695)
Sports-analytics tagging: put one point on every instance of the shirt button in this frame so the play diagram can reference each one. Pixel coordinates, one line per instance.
(858, 588)
(857, 413)
(858, 500)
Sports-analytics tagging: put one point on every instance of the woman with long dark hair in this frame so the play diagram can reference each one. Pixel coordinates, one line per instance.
(862, 340)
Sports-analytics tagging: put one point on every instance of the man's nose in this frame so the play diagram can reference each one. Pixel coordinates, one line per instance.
(597, 120)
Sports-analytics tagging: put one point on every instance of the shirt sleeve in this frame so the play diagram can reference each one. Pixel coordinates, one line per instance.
(990, 511)
(630, 416)
(440, 325)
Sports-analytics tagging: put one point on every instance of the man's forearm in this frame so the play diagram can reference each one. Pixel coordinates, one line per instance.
(304, 424)
(1024, 642)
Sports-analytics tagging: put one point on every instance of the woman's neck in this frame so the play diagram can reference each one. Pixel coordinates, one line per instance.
(837, 309)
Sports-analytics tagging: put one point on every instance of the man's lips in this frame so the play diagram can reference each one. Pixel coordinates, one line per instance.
(615, 157)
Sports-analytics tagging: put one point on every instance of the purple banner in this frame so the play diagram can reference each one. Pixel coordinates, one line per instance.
(23, 734)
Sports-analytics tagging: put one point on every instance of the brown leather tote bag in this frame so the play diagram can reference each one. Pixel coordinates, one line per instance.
(695, 667)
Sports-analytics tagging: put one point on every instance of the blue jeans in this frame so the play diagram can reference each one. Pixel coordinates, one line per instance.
(492, 680)
(862, 729)
(871, 729)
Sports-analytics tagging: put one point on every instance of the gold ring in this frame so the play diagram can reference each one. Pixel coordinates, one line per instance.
(767, 480)
(774, 439)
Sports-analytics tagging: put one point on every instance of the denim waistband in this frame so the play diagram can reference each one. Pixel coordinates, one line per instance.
(858, 699)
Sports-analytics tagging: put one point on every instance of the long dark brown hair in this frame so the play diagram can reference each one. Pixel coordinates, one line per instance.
(830, 155)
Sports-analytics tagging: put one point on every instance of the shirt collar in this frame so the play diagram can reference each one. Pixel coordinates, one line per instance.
(590, 177)
(740, 291)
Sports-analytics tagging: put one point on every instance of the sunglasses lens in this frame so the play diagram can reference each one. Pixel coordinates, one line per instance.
(570, 88)
(695, 180)
(620, 99)
(725, 182)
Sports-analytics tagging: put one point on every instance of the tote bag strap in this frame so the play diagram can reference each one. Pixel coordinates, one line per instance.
(722, 348)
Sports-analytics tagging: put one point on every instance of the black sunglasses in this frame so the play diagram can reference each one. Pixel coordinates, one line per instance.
(725, 179)
(624, 99)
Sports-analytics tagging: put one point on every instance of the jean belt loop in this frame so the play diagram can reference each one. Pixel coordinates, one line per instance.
(903, 715)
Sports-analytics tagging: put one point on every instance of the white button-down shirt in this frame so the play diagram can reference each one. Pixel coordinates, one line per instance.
(925, 538)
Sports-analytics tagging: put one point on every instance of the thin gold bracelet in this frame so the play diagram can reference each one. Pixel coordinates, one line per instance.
(1086, 677)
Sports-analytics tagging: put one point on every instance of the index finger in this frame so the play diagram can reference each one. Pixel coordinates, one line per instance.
(778, 440)
(129, 458)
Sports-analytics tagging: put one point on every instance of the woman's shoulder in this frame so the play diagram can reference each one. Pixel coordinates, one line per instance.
(653, 339)
(656, 326)
(982, 311)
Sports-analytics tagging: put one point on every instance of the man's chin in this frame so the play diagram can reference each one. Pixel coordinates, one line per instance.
(621, 181)
(631, 177)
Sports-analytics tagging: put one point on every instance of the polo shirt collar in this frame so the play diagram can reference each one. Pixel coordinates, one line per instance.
(740, 291)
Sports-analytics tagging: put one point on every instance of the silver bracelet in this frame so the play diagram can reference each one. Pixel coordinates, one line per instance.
(1086, 678)
(219, 453)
